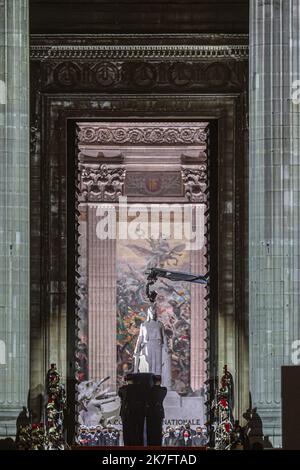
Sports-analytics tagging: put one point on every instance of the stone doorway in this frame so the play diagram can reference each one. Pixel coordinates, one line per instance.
(145, 185)
(70, 85)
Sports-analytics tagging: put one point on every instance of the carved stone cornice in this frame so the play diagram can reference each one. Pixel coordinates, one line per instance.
(195, 183)
(140, 38)
(201, 63)
(98, 183)
(135, 52)
(148, 135)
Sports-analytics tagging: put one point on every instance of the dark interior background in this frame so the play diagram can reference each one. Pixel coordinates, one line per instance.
(138, 16)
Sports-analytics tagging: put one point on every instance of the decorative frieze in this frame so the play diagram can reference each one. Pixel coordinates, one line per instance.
(101, 183)
(206, 72)
(153, 135)
(195, 183)
(133, 52)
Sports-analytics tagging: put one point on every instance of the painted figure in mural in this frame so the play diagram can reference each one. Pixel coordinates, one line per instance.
(151, 352)
(95, 403)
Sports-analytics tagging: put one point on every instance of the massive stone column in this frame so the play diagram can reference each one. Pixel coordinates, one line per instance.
(274, 189)
(14, 211)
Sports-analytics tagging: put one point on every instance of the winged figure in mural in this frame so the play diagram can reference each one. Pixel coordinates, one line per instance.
(159, 253)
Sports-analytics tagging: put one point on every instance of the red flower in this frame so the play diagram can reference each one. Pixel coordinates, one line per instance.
(227, 427)
(224, 403)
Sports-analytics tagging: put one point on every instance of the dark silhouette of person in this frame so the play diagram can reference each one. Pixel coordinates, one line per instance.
(257, 446)
(7, 444)
(133, 408)
(22, 422)
(253, 430)
(155, 415)
(267, 443)
(142, 409)
(238, 434)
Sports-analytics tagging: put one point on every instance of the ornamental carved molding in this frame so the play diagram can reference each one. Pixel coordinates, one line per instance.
(98, 183)
(150, 135)
(134, 52)
(195, 183)
(82, 75)
(140, 62)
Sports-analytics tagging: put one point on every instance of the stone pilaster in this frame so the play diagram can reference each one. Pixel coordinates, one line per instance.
(274, 185)
(14, 211)
(102, 289)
